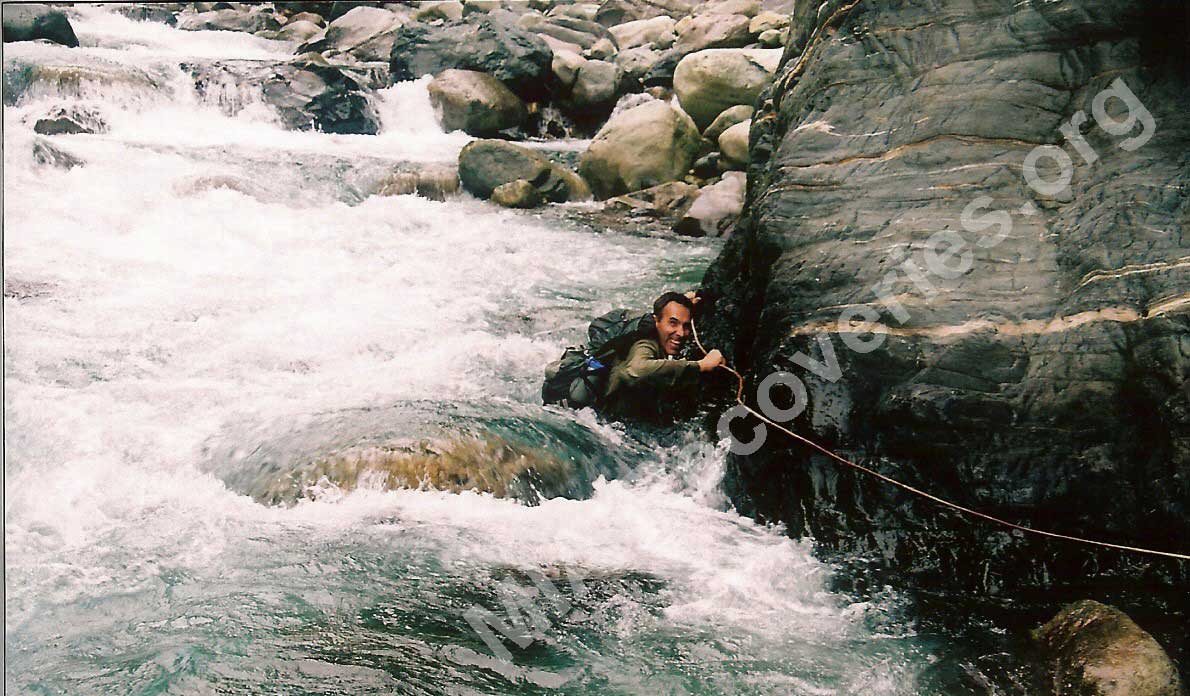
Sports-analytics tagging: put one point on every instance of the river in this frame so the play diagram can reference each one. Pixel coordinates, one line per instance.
(210, 298)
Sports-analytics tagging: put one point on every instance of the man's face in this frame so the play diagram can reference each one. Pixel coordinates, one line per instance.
(673, 326)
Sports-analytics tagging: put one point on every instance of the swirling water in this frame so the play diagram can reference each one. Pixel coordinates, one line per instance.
(208, 286)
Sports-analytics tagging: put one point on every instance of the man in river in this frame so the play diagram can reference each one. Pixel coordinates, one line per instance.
(650, 382)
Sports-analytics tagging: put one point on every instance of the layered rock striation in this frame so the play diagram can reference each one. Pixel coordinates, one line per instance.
(1027, 357)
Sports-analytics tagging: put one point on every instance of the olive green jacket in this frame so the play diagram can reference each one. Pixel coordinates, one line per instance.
(645, 384)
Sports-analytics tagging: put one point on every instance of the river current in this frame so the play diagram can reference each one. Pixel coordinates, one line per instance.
(209, 296)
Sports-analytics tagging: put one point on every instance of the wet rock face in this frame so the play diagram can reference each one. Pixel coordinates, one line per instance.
(1092, 649)
(1043, 376)
(306, 94)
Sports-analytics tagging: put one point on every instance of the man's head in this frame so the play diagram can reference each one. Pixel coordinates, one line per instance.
(672, 312)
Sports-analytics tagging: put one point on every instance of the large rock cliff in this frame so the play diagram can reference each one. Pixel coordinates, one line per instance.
(1038, 371)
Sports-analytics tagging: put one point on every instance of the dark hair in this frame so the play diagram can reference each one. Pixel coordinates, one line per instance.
(668, 297)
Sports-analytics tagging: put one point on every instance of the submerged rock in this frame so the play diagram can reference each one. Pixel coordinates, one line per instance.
(435, 182)
(485, 465)
(51, 155)
(74, 81)
(512, 55)
(307, 94)
(638, 148)
(475, 103)
(710, 81)
(32, 21)
(487, 164)
(70, 120)
(1092, 649)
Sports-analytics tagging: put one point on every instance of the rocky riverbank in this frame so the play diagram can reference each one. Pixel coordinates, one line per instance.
(664, 89)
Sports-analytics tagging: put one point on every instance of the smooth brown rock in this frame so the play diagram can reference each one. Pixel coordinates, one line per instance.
(1093, 649)
(517, 194)
(475, 103)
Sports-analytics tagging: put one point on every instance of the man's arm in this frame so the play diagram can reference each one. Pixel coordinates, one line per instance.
(645, 365)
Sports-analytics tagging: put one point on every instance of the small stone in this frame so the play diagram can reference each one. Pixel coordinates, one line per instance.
(517, 194)
(733, 143)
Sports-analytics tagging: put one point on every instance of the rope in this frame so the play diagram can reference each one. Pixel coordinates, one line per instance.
(739, 397)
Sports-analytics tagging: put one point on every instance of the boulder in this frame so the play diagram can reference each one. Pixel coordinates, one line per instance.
(560, 46)
(299, 30)
(747, 8)
(251, 21)
(614, 12)
(308, 17)
(768, 20)
(705, 31)
(70, 120)
(578, 10)
(733, 143)
(565, 67)
(710, 81)
(603, 49)
(447, 11)
(486, 164)
(566, 29)
(306, 94)
(636, 62)
(657, 32)
(771, 38)
(1093, 649)
(716, 209)
(517, 194)
(475, 103)
(728, 118)
(594, 86)
(365, 33)
(640, 147)
(29, 22)
(515, 57)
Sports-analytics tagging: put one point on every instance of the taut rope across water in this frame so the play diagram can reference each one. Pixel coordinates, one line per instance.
(739, 397)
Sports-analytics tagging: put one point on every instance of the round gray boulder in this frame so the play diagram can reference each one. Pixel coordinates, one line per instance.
(707, 82)
(640, 147)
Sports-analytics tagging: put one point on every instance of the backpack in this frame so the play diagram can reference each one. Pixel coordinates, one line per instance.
(577, 379)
